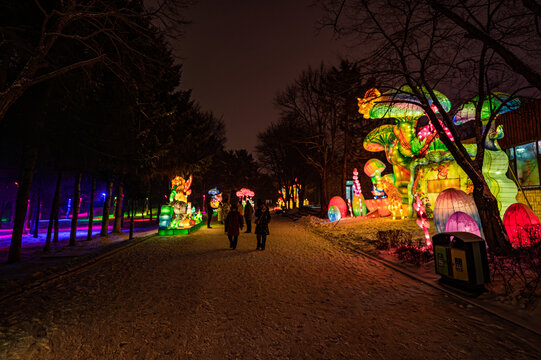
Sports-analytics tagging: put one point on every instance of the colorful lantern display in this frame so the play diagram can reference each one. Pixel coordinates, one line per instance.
(450, 201)
(358, 203)
(357, 206)
(334, 213)
(340, 205)
(244, 193)
(460, 221)
(422, 221)
(178, 217)
(522, 225)
(216, 197)
(408, 151)
(373, 168)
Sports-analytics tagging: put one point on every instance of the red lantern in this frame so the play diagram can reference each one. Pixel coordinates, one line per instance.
(340, 204)
(521, 224)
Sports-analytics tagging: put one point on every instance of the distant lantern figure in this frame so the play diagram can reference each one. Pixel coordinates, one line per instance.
(334, 213)
(450, 201)
(340, 204)
(522, 225)
(460, 221)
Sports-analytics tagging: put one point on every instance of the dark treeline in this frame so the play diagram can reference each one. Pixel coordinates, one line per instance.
(92, 111)
(317, 141)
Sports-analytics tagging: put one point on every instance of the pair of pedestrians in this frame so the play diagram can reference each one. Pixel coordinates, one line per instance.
(235, 223)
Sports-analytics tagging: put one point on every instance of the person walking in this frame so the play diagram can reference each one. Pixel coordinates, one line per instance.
(226, 207)
(210, 211)
(262, 220)
(234, 224)
(248, 212)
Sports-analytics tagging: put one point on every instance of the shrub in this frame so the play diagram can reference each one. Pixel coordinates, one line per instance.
(386, 239)
(413, 254)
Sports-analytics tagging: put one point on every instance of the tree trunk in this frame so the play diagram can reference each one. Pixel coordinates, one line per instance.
(150, 205)
(106, 209)
(76, 203)
(131, 218)
(29, 211)
(345, 159)
(117, 228)
(91, 210)
(23, 192)
(54, 211)
(36, 218)
(56, 217)
(493, 230)
(323, 194)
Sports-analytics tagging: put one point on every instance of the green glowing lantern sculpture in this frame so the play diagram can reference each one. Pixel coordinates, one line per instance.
(495, 162)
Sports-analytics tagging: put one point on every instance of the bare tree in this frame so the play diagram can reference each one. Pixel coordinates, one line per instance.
(36, 34)
(308, 101)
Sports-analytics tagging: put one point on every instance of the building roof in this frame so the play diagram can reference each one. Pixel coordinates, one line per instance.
(521, 126)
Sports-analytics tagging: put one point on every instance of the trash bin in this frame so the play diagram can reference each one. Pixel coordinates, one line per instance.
(461, 259)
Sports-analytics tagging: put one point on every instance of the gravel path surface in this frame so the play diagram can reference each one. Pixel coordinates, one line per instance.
(193, 298)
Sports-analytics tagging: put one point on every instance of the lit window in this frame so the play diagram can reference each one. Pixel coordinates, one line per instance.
(527, 165)
(511, 153)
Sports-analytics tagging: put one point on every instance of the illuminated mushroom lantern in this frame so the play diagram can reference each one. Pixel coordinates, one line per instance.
(460, 221)
(245, 194)
(450, 201)
(401, 144)
(521, 224)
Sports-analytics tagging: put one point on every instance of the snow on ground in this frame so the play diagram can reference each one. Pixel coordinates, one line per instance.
(192, 297)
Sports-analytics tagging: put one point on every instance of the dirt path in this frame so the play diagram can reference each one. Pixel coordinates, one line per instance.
(193, 298)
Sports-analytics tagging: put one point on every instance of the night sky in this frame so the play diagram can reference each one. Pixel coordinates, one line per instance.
(238, 54)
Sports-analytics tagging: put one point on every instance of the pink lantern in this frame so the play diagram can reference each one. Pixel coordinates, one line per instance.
(340, 204)
(450, 201)
(460, 221)
(521, 224)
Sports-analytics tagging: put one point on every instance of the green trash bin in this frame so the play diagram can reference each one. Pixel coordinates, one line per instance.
(461, 259)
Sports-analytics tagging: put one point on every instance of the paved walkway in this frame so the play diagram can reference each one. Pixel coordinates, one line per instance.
(193, 298)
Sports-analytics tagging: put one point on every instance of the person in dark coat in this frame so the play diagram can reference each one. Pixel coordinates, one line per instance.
(210, 212)
(234, 223)
(248, 211)
(262, 220)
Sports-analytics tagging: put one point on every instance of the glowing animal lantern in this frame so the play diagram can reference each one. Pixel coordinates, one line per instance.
(340, 205)
(373, 168)
(460, 221)
(450, 201)
(422, 221)
(334, 213)
(521, 224)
